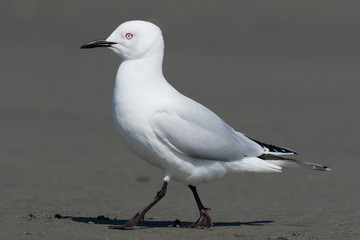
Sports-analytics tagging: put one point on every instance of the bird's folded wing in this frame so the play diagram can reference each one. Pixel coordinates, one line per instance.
(203, 136)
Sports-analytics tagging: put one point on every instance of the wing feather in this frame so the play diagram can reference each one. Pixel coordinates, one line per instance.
(199, 133)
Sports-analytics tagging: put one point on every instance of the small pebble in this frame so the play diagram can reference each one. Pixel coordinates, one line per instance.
(102, 217)
(177, 223)
(239, 235)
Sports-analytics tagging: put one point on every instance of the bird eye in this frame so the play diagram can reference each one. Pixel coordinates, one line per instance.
(128, 36)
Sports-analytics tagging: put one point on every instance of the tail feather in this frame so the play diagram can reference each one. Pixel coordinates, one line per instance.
(289, 162)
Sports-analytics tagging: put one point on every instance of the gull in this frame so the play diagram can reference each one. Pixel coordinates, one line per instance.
(189, 142)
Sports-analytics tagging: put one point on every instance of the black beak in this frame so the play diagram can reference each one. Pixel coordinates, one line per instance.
(97, 43)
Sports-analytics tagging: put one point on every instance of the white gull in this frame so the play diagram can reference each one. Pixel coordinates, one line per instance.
(173, 132)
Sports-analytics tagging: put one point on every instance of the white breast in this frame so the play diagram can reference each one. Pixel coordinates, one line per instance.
(135, 102)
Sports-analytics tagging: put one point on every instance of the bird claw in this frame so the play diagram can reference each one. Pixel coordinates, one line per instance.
(129, 225)
(204, 220)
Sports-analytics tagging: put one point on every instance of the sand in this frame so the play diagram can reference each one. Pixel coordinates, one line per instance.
(283, 73)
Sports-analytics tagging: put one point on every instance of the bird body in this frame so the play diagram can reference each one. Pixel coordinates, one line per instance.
(146, 107)
(171, 131)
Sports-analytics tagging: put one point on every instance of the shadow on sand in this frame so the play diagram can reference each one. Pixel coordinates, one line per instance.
(153, 224)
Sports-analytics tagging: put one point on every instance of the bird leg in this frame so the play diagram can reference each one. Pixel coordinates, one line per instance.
(204, 219)
(140, 215)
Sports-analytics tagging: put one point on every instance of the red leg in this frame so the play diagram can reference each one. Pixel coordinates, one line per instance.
(204, 219)
(140, 215)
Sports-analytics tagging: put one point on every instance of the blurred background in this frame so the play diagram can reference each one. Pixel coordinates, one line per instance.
(283, 72)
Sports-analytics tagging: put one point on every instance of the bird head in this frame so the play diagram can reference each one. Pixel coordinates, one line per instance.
(132, 40)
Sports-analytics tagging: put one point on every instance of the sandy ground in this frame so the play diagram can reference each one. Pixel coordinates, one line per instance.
(283, 72)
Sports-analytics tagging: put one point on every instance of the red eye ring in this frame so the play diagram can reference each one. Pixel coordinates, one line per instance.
(129, 36)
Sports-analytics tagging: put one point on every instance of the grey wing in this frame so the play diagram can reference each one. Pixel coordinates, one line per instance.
(199, 133)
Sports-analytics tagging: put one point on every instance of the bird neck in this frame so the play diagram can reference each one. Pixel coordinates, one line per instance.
(149, 65)
(135, 79)
(140, 73)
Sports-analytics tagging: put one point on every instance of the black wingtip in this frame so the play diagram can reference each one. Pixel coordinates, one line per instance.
(275, 149)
